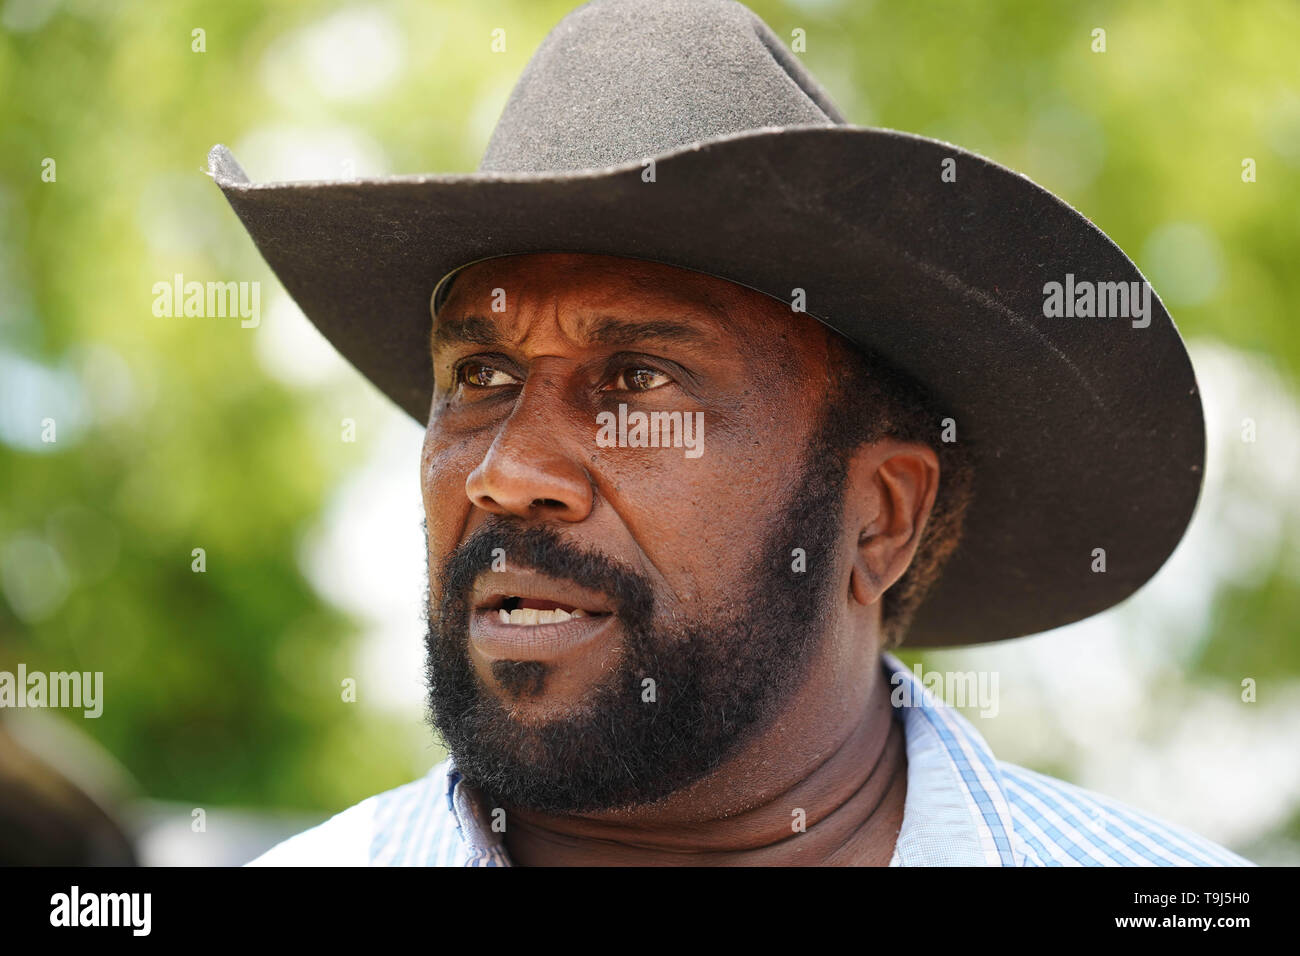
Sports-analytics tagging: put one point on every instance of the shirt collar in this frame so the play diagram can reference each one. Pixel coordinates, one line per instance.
(484, 845)
(955, 812)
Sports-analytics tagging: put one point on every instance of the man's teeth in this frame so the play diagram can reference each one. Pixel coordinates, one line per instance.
(532, 615)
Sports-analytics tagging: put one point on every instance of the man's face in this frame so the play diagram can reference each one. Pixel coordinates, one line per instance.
(703, 575)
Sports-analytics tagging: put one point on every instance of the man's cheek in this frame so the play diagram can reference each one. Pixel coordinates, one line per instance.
(697, 528)
(435, 454)
(444, 470)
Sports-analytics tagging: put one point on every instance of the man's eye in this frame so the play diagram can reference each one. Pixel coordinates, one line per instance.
(478, 375)
(637, 379)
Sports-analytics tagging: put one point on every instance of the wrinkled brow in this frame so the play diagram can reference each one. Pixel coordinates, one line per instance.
(471, 330)
(477, 330)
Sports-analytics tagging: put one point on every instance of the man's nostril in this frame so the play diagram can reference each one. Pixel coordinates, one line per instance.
(547, 503)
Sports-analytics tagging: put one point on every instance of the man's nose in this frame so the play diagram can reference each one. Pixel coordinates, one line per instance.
(529, 470)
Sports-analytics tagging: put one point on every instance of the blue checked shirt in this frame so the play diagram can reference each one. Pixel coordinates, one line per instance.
(963, 807)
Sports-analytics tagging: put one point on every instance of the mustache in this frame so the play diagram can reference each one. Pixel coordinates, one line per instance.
(542, 549)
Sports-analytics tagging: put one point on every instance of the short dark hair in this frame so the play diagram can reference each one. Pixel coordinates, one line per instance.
(871, 398)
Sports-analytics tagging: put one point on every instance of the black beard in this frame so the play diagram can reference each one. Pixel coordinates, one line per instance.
(717, 682)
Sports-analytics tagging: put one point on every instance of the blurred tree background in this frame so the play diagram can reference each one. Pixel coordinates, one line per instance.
(225, 688)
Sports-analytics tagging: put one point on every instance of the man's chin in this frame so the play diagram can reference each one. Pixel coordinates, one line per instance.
(525, 774)
(610, 748)
(538, 689)
(525, 701)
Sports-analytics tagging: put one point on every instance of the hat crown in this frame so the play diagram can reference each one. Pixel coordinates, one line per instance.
(621, 80)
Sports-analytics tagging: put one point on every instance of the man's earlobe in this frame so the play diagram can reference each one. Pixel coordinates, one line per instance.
(895, 483)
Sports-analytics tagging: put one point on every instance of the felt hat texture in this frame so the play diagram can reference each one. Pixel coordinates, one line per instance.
(1081, 411)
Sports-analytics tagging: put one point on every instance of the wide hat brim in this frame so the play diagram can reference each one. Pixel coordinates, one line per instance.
(1086, 432)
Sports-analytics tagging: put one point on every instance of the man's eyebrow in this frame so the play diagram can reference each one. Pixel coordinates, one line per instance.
(477, 330)
(612, 331)
(471, 330)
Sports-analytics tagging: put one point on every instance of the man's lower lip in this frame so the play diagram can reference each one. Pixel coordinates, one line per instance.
(499, 641)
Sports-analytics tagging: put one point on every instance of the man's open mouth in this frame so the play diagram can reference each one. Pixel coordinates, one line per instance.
(520, 610)
(528, 616)
(525, 599)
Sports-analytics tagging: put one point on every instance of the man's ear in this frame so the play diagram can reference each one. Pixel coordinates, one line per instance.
(890, 491)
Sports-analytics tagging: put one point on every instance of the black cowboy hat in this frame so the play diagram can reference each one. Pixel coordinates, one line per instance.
(684, 132)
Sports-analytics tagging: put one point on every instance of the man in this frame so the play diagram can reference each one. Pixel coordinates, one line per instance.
(725, 398)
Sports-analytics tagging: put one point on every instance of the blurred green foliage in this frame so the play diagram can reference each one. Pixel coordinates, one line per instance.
(224, 686)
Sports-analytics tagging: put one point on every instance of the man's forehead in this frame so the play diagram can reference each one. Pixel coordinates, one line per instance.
(614, 301)
(514, 284)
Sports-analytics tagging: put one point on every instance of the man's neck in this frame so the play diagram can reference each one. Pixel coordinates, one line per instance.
(845, 809)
